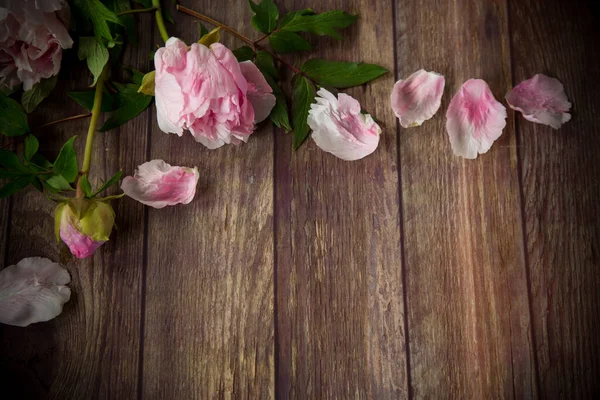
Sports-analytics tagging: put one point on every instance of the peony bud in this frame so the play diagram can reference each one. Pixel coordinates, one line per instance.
(84, 225)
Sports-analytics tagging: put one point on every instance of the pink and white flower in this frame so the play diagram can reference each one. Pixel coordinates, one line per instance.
(340, 128)
(84, 225)
(158, 184)
(32, 38)
(259, 93)
(417, 98)
(204, 91)
(541, 99)
(33, 290)
(474, 119)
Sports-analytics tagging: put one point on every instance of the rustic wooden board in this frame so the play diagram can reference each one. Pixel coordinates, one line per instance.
(92, 349)
(561, 188)
(468, 316)
(340, 312)
(208, 329)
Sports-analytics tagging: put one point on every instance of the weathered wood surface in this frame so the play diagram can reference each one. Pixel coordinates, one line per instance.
(409, 274)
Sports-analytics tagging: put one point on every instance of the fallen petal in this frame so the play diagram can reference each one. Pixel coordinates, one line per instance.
(158, 184)
(417, 98)
(541, 99)
(33, 290)
(474, 119)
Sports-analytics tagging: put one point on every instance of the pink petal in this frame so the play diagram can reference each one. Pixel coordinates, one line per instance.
(541, 99)
(80, 245)
(474, 119)
(33, 290)
(260, 92)
(417, 98)
(157, 184)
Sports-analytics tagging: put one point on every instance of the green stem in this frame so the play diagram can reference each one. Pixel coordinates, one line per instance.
(137, 10)
(160, 22)
(89, 142)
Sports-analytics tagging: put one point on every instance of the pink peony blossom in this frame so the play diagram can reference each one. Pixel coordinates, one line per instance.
(474, 119)
(202, 90)
(541, 99)
(157, 184)
(417, 98)
(260, 93)
(84, 225)
(340, 128)
(32, 39)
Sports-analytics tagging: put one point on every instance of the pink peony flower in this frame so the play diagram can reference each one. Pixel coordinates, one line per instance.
(474, 119)
(157, 184)
(417, 98)
(84, 225)
(259, 93)
(202, 90)
(32, 39)
(340, 128)
(541, 99)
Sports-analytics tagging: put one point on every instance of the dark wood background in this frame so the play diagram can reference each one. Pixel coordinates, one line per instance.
(409, 274)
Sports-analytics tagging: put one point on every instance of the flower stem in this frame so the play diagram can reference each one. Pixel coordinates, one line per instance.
(137, 10)
(238, 35)
(160, 22)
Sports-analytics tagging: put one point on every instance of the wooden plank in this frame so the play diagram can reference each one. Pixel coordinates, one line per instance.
(209, 302)
(340, 313)
(561, 187)
(92, 349)
(468, 315)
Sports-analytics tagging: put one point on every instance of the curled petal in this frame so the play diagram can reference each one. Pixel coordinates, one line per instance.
(157, 184)
(340, 128)
(80, 244)
(474, 119)
(541, 99)
(259, 93)
(417, 98)
(33, 290)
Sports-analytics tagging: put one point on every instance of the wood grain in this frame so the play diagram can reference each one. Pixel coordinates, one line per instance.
(468, 316)
(92, 349)
(340, 326)
(561, 187)
(208, 329)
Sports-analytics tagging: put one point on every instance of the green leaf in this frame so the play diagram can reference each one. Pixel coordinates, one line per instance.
(303, 95)
(58, 182)
(136, 76)
(288, 42)
(340, 74)
(147, 86)
(86, 100)
(66, 162)
(9, 160)
(9, 174)
(97, 12)
(13, 120)
(320, 24)
(95, 53)
(31, 98)
(265, 15)
(293, 14)
(264, 62)
(113, 179)
(130, 24)
(31, 146)
(279, 114)
(13, 187)
(86, 187)
(211, 37)
(243, 53)
(201, 29)
(131, 104)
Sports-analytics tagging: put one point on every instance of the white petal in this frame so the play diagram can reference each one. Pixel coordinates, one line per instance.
(32, 291)
(417, 98)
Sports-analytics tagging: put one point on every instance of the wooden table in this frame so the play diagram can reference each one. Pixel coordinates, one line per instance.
(410, 274)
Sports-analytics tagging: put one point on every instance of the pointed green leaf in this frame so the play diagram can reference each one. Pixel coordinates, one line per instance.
(131, 104)
(13, 120)
(66, 162)
(341, 74)
(293, 14)
(303, 95)
(31, 146)
(243, 53)
(31, 98)
(14, 186)
(9, 160)
(97, 12)
(86, 187)
(320, 24)
(113, 179)
(288, 42)
(86, 100)
(264, 62)
(279, 114)
(58, 183)
(265, 15)
(96, 55)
